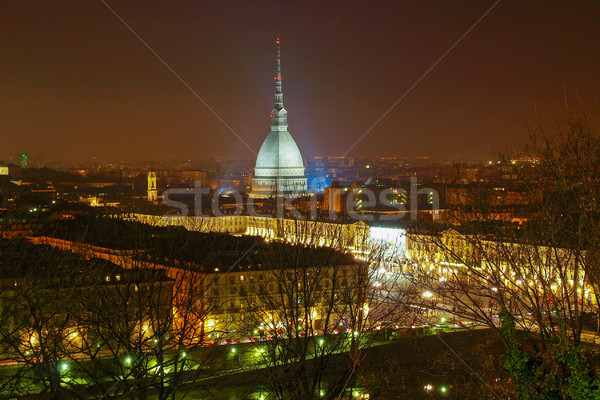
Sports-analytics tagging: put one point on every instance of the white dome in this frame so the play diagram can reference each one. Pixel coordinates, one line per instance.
(279, 150)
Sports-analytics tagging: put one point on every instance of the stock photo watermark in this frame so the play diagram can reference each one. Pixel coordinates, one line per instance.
(358, 203)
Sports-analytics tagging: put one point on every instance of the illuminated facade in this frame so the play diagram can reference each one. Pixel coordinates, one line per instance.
(235, 303)
(357, 238)
(279, 169)
(73, 297)
(152, 191)
(441, 257)
(524, 267)
(250, 292)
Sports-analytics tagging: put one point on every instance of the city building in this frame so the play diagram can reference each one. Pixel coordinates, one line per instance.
(334, 197)
(152, 191)
(222, 301)
(57, 302)
(279, 169)
(355, 237)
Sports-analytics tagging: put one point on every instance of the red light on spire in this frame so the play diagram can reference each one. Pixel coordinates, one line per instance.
(277, 41)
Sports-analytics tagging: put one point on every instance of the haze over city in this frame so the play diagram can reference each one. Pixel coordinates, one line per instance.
(77, 84)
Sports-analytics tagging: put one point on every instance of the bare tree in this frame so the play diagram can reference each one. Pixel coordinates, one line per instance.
(312, 311)
(535, 281)
(41, 298)
(138, 328)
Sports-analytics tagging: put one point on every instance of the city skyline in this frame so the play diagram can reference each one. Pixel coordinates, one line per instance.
(81, 85)
(285, 200)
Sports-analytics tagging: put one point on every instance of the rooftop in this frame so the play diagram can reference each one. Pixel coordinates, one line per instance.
(195, 250)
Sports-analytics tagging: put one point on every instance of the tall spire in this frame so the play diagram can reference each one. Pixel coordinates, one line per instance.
(278, 88)
(279, 114)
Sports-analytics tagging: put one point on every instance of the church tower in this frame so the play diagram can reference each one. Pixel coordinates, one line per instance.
(279, 169)
(152, 192)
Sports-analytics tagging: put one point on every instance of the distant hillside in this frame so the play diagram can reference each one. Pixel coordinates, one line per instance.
(42, 174)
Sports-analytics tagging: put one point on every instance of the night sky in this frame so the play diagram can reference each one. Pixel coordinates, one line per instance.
(75, 83)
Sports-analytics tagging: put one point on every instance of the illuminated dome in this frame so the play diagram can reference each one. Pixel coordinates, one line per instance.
(279, 150)
(279, 169)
